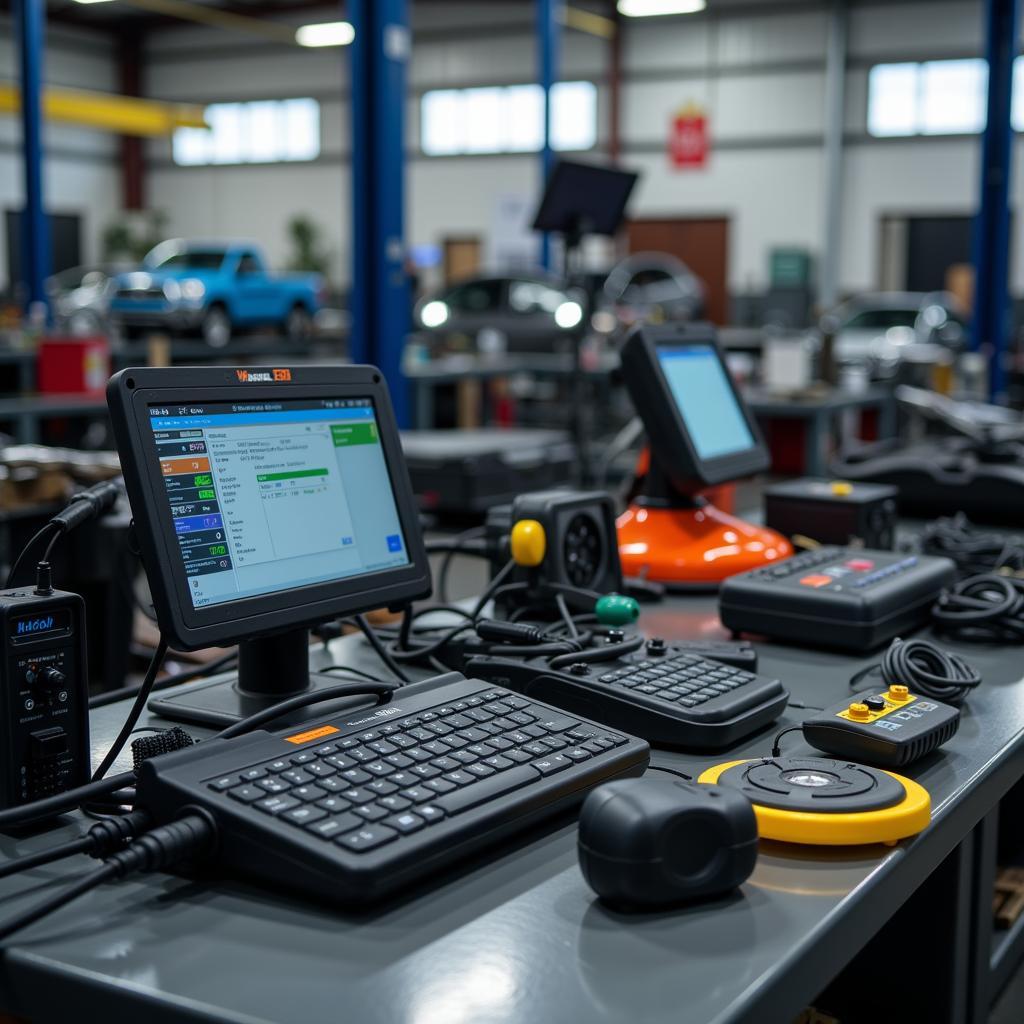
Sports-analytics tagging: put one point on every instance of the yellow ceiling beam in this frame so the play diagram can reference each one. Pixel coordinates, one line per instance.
(587, 21)
(125, 115)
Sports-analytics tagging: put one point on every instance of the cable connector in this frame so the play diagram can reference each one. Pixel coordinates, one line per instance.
(111, 834)
(497, 632)
(189, 838)
(44, 579)
(163, 742)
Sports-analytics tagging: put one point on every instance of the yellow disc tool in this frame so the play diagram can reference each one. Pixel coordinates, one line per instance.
(858, 804)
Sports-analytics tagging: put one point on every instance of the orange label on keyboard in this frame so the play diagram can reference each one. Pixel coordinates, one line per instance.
(312, 734)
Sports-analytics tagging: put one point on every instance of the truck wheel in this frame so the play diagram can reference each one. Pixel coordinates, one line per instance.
(298, 325)
(216, 327)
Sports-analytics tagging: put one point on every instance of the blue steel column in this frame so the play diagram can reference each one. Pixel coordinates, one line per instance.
(30, 18)
(548, 38)
(380, 289)
(992, 229)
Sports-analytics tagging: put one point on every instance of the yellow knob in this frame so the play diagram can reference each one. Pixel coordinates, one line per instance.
(528, 543)
(861, 712)
(841, 488)
(898, 693)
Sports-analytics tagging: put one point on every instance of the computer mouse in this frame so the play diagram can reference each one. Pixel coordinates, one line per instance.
(652, 842)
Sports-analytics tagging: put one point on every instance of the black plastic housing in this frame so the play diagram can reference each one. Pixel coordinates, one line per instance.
(653, 842)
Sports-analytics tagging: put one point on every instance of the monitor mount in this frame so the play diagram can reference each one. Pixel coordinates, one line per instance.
(684, 540)
(270, 669)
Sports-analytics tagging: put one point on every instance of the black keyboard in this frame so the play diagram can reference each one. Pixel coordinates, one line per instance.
(354, 806)
(671, 698)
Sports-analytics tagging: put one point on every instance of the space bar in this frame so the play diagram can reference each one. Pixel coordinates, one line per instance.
(487, 789)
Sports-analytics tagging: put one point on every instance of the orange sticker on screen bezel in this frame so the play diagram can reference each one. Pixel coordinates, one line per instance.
(313, 734)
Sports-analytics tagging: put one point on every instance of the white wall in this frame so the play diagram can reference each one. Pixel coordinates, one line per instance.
(759, 75)
(80, 170)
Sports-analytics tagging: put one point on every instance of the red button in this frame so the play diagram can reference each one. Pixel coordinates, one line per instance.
(816, 581)
(860, 564)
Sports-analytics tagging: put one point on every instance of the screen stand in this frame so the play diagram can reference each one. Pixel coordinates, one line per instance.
(270, 669)
(682, 540)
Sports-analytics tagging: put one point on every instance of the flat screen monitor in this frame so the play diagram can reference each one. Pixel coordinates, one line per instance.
(699, 429)
(266, 500)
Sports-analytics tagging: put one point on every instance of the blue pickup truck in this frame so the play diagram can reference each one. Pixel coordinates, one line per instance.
(215, 289)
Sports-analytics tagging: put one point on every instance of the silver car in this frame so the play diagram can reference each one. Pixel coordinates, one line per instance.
(878, 329)
(80, 297)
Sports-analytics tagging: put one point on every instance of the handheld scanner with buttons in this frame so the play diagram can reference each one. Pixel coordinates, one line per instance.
(890, 729)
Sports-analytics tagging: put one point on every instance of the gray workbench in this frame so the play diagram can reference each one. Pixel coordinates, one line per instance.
(518, 936)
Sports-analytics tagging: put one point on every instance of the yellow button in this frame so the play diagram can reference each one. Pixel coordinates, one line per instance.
(861, 712)
(841, 488)
(528, 543)
(898, 693)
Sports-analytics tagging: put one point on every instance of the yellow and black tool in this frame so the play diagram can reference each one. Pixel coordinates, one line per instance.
(823, 802)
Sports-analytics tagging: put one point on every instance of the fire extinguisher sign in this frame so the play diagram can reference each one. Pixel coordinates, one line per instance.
(688, 138)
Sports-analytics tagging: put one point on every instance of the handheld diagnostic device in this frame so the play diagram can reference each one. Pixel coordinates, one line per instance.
(890, 729)
(700, 433)
(265, 502)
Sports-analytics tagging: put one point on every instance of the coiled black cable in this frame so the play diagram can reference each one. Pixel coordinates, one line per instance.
(974, 551)
(926, 669)
(987, 608)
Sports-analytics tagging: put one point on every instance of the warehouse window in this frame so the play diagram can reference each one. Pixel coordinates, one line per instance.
(267, 131)
(936, 97)
(507, 119)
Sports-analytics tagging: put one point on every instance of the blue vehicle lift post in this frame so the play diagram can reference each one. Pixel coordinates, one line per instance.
(991, 328)
(381, 313)
(30, 20)
(548, 40)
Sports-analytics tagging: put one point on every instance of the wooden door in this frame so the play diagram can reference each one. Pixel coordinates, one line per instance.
(461, 258)
(702, 244)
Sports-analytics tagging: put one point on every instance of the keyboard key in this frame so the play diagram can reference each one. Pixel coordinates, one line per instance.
(399, 760)
(467, 797)
(439, 785)
(304, 758)
(464, 757)
(577, 754)
(225, 782)
(371, 812)
(334, 804)
(367, 838)
(418, 754)
(297, 777)
(436, 748)
(246, 794)
(304, 815)
(320, 770)
(326, 750)
(357, 795)
(403, 779)
(394, 803)
(480, 770)
(378, 768)
(369, 737)
(519, 756)
(430, 813)
(498, 763)
(521, 717)
(276, 804)
(438, 728)
(356, 776)
(331, 827)
(402, 742)
(425, 771)
(550, 765)
(445, 764)
(406, 823)
(482, 750)
(307, 794)
(457, 721)
(422, 735)
(539, 749)
(278, 766)
(460, 778)
(341, 762)
(333, 785)
(273, 785)
(382, 787)
(252, 774)
(417, 794)
(499, 743)
(383, 748)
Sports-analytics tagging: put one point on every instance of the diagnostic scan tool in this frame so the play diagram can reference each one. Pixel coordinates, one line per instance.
(265, 502)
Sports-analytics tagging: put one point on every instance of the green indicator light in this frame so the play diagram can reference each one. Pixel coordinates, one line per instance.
(206, 494)
(218, 549)
(203, 480)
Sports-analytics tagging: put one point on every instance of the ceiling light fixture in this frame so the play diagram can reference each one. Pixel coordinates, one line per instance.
(328, 33)
(657, 8)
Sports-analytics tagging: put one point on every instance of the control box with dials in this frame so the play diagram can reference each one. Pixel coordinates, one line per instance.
(889, 729)
(44, 695)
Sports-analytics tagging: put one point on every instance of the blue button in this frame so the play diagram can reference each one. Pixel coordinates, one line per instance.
(394, 542)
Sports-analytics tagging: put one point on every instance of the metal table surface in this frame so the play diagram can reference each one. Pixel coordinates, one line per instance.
(516, 936)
